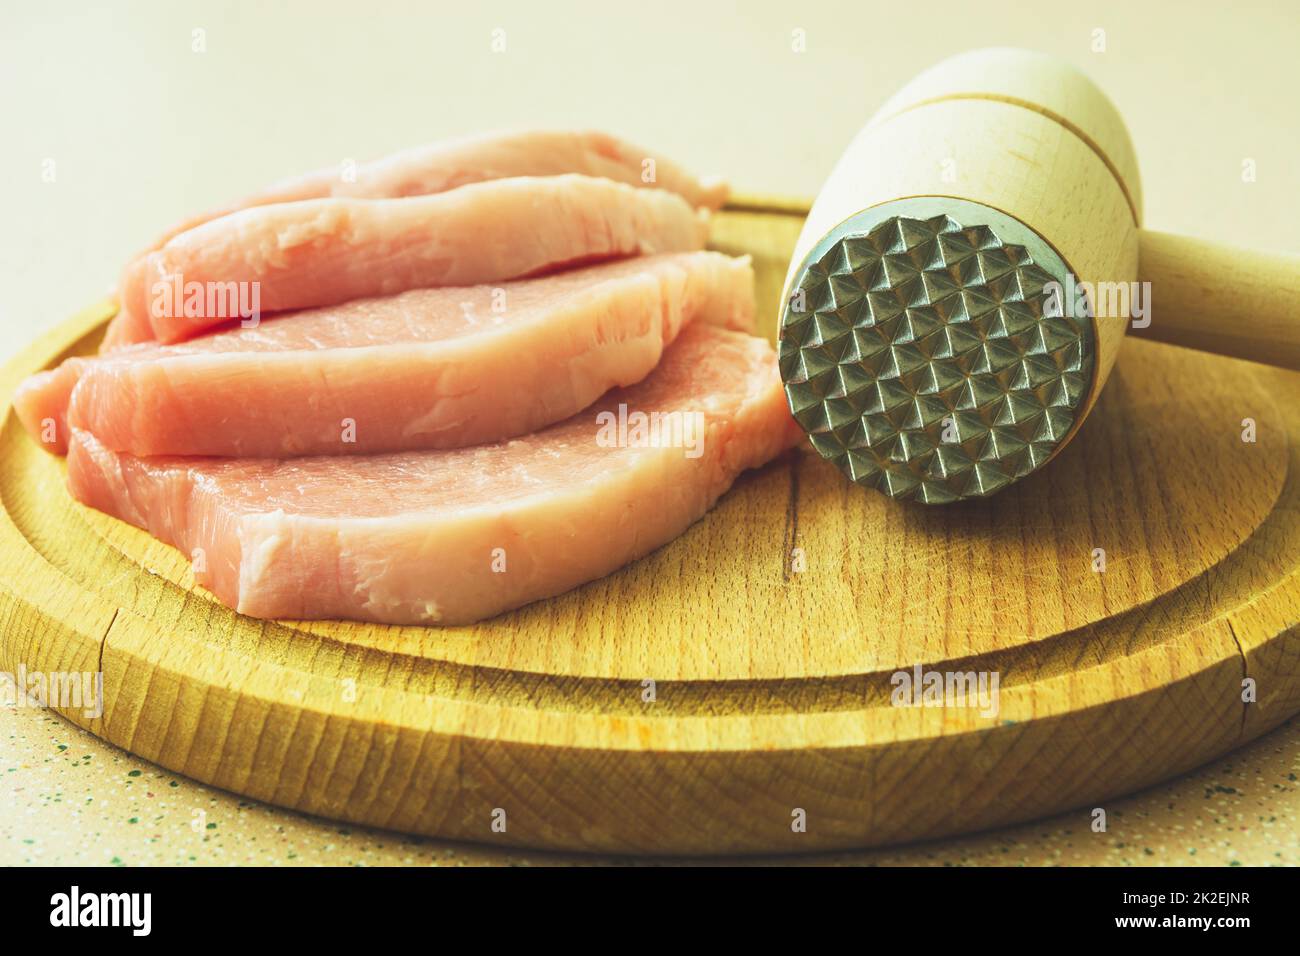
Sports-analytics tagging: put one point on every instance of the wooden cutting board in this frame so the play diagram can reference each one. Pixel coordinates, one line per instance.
(734, 691)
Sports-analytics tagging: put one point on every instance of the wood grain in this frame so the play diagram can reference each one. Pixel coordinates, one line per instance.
(772, 675)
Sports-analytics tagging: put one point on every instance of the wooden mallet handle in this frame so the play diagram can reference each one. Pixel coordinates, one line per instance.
(1222, 299)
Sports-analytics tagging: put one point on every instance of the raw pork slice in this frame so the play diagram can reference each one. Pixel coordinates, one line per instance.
(430, 368)
(451, 537)
(325, 251)
(438, 167)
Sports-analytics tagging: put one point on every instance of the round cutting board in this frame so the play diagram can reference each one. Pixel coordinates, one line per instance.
(748, 687)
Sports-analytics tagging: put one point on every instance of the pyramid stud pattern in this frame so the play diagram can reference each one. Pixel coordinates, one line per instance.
(918, 358)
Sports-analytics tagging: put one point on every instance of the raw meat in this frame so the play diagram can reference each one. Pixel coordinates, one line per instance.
(324, 251)
(452, 537)
(429, 368)
(438, 167)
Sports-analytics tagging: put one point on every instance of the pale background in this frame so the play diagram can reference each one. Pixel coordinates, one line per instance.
(143, 131)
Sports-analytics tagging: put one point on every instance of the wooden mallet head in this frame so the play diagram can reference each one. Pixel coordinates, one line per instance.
(961, 287)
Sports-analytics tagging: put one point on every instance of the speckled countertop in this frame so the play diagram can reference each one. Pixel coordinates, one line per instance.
(70, 799)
